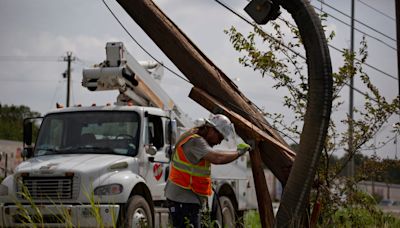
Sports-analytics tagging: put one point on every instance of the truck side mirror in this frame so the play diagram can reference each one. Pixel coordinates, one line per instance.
(27, 132)
(27, 152)
(150, 149)
(171, 131)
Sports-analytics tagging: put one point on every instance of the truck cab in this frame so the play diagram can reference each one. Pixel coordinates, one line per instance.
(87, 156)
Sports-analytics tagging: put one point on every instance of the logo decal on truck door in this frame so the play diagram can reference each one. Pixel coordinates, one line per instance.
(157, 171)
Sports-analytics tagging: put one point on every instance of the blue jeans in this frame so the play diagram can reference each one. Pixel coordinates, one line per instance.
(184, 214)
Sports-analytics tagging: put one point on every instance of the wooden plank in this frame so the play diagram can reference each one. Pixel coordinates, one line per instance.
(264, 201)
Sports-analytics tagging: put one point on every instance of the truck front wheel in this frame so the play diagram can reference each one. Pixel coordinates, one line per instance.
(138, 213)
(226, 212)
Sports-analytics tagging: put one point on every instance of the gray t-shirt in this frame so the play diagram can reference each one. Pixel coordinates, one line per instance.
(195, 149)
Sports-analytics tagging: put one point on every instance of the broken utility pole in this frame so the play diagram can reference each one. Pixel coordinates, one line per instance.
(203, 74)
(201, 71)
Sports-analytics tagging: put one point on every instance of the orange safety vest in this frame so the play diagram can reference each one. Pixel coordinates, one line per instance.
(196, 177)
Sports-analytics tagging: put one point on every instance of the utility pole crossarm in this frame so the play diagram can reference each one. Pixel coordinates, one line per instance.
(242, 125)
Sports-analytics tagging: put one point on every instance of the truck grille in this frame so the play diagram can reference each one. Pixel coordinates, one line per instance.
(48, 188)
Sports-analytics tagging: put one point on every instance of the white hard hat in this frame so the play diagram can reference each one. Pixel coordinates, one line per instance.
(199, 122)
(222, 124)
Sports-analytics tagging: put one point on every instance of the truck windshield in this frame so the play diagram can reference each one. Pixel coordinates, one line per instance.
(110, 132)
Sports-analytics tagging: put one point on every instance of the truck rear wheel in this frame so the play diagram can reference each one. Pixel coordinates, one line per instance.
(226, 213)
(138, 213)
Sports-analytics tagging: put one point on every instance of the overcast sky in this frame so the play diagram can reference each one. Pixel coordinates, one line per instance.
(44, 30)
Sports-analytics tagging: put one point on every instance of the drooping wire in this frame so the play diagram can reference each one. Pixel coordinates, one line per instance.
(147, 52)
(255, 26)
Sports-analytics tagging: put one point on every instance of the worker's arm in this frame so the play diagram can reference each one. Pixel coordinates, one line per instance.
(221, 157)
(197, 148)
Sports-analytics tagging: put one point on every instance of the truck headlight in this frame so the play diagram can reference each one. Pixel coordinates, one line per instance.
(110, 189)
(3, 190)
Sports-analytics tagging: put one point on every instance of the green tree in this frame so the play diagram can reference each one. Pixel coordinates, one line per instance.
(11, 121)
(268, 54)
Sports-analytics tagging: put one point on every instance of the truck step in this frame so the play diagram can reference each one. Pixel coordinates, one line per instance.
(161, 217)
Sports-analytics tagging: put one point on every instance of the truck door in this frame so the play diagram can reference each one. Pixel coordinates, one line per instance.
(156, 173)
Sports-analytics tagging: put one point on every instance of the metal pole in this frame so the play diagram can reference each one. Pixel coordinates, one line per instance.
(6, 166)
(397, 5)
(351, 103)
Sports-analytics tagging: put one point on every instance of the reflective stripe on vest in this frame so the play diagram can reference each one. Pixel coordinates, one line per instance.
(188, 175)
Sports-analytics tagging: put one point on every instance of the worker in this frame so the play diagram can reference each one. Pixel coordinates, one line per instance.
(189, 181)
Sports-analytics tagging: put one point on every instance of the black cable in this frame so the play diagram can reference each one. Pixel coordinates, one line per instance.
(381, 146)
(148, 53)
(360, 22)
(335, 48)
(252, 24)
(380, 12)
(369, 65)
(358, 30)
(341, 51)
(255, 26)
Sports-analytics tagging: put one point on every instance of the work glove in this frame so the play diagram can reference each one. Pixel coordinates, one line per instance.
(242, 148)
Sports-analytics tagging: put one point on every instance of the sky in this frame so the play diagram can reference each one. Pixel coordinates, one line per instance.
(36, 35)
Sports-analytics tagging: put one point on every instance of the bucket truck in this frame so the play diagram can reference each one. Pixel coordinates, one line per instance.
(108, 165)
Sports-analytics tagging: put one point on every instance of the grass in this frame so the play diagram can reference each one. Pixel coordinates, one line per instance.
(346, 217)
(33, 215)
(252, 219)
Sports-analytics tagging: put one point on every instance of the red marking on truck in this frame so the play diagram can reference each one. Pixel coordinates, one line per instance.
(157, 170)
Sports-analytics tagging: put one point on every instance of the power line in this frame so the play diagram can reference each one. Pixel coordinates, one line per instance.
(335, 48)
(254, 25)
(341, 51)
(173, 72)
(360, 22)
(380, 12)
(369, 65)
(383, 144)
(11, 58)
(358, 30)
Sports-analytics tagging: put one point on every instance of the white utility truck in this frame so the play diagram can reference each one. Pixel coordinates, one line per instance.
(107, 165)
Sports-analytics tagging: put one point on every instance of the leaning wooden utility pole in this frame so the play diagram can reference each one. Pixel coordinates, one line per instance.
(203, 74)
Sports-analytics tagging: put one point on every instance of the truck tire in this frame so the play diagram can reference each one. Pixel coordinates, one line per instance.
(138, 213)
(228, 213)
